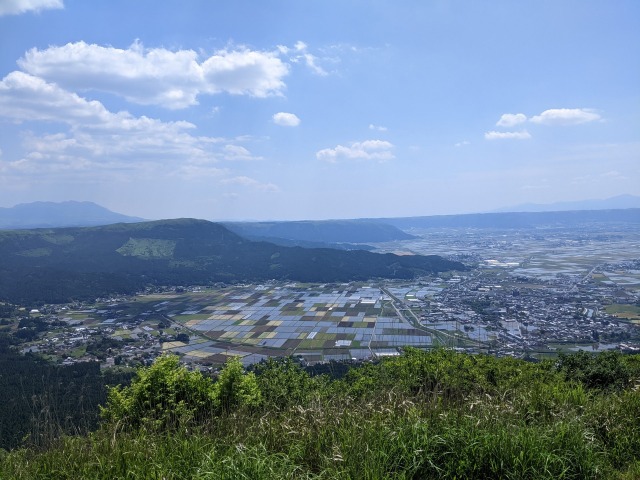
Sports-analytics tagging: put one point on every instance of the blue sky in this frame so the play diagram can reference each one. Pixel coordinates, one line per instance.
(318, 109)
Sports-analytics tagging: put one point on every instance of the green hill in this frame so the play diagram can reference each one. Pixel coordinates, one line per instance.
(57, 265)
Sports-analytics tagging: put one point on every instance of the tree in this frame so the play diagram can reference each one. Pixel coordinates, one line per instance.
(235, 388)
(182, 337)
(604, 371)
(283, 383)
(163, 395)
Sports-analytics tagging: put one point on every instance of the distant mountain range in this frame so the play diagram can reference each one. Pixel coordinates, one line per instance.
(512, 220)
(333, 233)
(58, 265)
(613, 203)
(62, 214)
(342, 234)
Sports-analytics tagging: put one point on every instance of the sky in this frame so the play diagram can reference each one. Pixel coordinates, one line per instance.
(291, 110)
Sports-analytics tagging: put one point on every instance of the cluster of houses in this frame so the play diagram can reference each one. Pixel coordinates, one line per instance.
(509, 314)
(525, 314)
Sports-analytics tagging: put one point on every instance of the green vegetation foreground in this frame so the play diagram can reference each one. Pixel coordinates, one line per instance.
(421, 415)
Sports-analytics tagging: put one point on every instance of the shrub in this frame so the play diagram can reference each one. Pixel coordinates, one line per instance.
(605, 371)
(283, 383)
(163, 395)
(235, 388)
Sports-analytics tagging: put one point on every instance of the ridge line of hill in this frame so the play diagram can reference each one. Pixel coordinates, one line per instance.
(59, 265)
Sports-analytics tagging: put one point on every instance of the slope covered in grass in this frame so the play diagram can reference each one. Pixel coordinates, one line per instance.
(422, 415)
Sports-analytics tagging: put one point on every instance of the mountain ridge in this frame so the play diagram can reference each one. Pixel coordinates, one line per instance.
(59, 265)
(511, 220)
(325, 233)
(612, 203)
(59, 214)
(328, 232)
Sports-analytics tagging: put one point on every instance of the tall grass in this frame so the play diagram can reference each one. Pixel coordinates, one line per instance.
(544, 428)
(339, 440)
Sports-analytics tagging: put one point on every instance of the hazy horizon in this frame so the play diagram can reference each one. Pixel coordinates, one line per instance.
(297, 111)
(622, 201)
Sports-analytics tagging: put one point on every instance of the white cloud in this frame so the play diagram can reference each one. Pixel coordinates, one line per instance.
(554, 116)
(565, 116)
(286, 119)
(378, 128)
(511, 119)
(301, 54)
(313, 66)
(238, 152)
(243, 72)
(16, 7)
(521, 135)
(462, 143)
(25, 97)
(97, 139)
(251, 183)
(158, 76)
(367, 150)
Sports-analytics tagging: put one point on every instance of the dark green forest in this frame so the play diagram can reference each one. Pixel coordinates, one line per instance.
(421, 415)
(61, 265)
(40, 400)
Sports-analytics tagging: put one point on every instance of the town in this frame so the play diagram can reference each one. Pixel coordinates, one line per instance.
(527, 294)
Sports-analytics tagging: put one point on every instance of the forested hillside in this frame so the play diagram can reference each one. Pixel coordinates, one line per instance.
(58, 265)
(39, 400)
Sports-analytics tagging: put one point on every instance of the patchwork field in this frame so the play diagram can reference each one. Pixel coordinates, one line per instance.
(317, 323)
(628, 312)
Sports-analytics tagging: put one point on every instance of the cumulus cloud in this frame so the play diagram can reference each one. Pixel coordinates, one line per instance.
(238, 152)
(378, 128)
(552, 117)
(172, 79)
(286, 119)
(511, 119)
(16, 7)
(368, 150)
(565, 116)
(25, 97)
(521, 135)
(96, 138)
